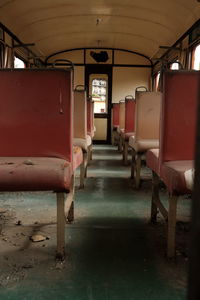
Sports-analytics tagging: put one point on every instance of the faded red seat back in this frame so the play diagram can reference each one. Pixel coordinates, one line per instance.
(121, 114)
(147, 115)
(178, 119)
(36, 113)
(80, 112)
(115, 115)
(90, 117)
(129, 114)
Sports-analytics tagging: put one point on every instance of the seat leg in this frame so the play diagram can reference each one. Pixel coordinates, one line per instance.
(133, 164)
(171, 226)
(123, 149)
(120, 144)
(89, 153)
(125, 153)
(65, 212)
(69, 204)
(70, 216)
(138, 170)
(117, 140)
(83, 170)
(86, 160)
(113, 137)
(60, 253)
(155, 197)
(90, 158)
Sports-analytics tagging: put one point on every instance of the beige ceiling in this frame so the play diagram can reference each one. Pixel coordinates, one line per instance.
(138, 25)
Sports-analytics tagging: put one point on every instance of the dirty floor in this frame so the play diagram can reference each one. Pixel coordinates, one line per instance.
(113, 252)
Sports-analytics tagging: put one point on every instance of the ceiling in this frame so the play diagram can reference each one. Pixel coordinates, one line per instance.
(55, 25)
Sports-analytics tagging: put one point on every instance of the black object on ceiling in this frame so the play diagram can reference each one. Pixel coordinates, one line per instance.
(101, 56)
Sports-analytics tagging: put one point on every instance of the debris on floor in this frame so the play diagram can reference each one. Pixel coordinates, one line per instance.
(38, 238)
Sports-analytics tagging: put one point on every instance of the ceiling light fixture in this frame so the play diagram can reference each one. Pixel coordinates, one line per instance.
(101, 56)
(98, 21)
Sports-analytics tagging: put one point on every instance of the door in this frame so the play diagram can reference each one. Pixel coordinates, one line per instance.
(98, 80)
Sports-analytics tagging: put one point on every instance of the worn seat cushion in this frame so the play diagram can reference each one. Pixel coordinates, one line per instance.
(173, 175)
(152, 160)
(127, 135)
(83, 143)
(115, 127)
(143, 144)
(118, 129)
(189, 178)
(91, 133)
(121, 131)
(77, 157)
(34, 174)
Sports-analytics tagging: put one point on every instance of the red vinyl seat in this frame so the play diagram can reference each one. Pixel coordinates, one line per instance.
(77, 157)
(90, 117)
(178, 131)
(173, 163)
(147, 126)
(36, 137)
(173, 174)
(129, 127)
(115, 116)
(34, 174)
(127, 135)
(152, 160)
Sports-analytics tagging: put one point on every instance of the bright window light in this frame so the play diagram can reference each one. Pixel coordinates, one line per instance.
(18, 63)
(196, 64)
(174, 66)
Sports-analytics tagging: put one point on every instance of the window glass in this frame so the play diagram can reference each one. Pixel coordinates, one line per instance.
(99, 95)
(175, 66)
(156, 83)
(196, 58)
(18, 63)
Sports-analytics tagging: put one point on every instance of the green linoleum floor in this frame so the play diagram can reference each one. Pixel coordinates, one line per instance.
(112, 251)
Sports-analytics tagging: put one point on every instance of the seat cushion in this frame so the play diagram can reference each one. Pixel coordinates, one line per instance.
(89, 140)
(173, 175)
(121, 131)
(143, 145)
(127, 135)
(189, 178)
(115, 127)
(77, 157)
(83, 143)
(152, 160)
(34, 174)
(91, 134)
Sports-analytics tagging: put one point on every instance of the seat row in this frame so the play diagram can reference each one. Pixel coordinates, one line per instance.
(43, 139)
(164, 135)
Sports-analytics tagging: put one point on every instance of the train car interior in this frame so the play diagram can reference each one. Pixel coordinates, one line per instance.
(100, 149)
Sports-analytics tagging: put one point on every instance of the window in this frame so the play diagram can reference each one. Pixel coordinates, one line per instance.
(196, 58)
(99, 94)
(156, 82)
(175, 66)
(19, 63)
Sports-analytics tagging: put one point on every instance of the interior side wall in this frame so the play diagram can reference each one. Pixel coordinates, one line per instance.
(79, 75)
(126, 80)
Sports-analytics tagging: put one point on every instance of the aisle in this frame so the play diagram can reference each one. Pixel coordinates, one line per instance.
(110, 254)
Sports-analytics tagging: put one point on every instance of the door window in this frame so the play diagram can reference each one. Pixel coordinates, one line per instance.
(100, 93)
